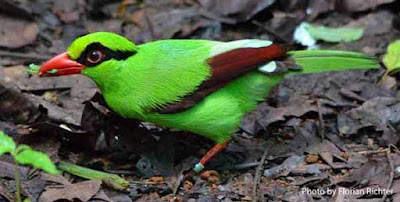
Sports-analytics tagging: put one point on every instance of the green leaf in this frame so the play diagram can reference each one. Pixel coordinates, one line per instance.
(37, 159)
(33, 69)
(7, 144)
(27, 200)
(392, 57)
(93, 174)
(22, 147)
(329, 34)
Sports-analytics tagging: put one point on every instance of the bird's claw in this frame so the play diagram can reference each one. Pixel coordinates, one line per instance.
(198, 167)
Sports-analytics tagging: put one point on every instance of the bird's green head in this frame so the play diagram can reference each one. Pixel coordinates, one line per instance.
(96, 54)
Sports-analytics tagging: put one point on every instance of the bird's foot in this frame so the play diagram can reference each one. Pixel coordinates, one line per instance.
(198, 167)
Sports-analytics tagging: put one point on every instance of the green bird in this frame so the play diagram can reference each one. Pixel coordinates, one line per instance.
(201, 86)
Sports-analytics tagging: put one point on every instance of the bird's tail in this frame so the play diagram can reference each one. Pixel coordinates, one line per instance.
(315, 61)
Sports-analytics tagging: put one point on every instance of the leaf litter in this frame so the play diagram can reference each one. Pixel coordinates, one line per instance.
(323, 130)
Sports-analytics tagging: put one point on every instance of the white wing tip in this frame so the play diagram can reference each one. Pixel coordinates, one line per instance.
(268, 68)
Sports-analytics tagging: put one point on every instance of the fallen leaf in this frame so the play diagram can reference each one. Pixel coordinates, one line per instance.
(54, 178)
(153, 23)
(360, 5)
(6, 193)
(374, 172)
(388, 82)
(265, 115)
(312, 169)
(199, 192)
(356, 160)
(283, 24)
(300, 180)
(211, 176)
(78, 138)
(32, 185)
(157, 179)
(15, 107)
(111, 25)
(234, 11)
(375, 23)
(67, 11)
(82, 191)
(7, 171)
(55, 112)
(319, 7)
(285, 168)
(279, 190)
(392, 57)
(102, 196)
(328, 151)
(292, 5)
(18, 76)
(187, 185)
(15, 33)
(312, 158)
(377, 112)
(307, 34)
(20, 9)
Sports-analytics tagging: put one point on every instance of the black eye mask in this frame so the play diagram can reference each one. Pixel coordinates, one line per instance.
(108, 54)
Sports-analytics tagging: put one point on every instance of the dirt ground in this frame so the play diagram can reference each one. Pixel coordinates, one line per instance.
(315, 135)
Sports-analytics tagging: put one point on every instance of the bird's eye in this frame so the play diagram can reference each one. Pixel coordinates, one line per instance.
(95, 56)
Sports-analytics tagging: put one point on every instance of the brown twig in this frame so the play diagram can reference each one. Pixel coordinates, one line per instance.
(146, 183)
(24, 55)
(178, 182)
(391, 176)
(321, 128)
(372, 151)
(257, 176)
(239, 166)
(120, 172)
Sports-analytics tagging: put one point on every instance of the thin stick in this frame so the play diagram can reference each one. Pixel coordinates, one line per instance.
(178, 183)
(321, 127)
(147, 183)
(372, 151)
(17, 181)
(240, 166)
(257, 176)
(24, 55)
(391, 176)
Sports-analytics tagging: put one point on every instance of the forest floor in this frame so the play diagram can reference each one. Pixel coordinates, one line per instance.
(315, 133)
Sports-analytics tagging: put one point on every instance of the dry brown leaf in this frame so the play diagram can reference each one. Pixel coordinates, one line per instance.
(360, 5)
(233, 11)
(15, 33)
(81, 190)
(211, 176)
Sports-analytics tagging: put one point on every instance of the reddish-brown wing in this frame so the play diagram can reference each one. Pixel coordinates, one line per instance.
(224, 68)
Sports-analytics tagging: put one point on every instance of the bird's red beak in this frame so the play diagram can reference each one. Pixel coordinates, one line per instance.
(60, 65)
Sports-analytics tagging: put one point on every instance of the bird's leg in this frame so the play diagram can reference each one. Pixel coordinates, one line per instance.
(210, 154)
